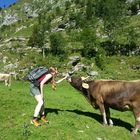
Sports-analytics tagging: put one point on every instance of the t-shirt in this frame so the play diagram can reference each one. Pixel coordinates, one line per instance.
(42, 77)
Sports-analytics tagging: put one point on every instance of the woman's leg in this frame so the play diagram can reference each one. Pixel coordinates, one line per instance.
(37, 110)
(39, 105)
(43, 115)
(42, 111)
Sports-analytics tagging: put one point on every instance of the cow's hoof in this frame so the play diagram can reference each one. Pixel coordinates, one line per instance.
(111, 125)
(105, 124)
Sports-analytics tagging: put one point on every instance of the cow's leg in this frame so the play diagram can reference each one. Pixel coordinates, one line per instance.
(6, 83)
(102, 110)
(108, 115)
(9, 81)
(137, 120)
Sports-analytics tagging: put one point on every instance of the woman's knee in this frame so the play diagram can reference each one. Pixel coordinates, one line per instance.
(39, 99)
(41, 102)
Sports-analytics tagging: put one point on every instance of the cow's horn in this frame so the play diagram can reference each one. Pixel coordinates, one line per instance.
(85, 85)
(84, 78)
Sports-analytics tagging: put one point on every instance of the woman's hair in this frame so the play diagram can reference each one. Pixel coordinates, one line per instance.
(53, 69)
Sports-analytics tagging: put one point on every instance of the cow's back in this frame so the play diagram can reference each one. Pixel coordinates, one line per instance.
(115, 93)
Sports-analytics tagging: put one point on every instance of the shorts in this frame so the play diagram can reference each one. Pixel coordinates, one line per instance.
(34, 90)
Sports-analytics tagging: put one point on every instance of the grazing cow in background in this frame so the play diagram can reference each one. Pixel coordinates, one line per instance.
(6, 78)
(105, 94)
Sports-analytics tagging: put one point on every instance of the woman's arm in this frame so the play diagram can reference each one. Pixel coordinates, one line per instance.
(47, 77)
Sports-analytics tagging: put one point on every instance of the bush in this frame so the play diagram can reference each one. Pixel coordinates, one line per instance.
(90, 43)
(100, 58)
(58, 45)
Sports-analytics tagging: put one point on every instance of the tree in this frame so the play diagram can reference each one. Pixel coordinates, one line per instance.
(58, 45)
(90, 43)
(33, 40)
(40, 31)
(89, 9)
(132, 37)
(112, 12)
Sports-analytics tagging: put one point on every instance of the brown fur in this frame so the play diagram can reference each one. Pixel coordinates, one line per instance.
(116, 94)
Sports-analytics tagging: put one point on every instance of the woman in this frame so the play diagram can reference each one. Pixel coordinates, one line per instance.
(37, 92)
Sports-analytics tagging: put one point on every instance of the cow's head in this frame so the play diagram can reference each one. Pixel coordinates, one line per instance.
(83, 85)
(78, 82)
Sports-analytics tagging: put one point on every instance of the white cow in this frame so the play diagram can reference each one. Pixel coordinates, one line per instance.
(6, 78)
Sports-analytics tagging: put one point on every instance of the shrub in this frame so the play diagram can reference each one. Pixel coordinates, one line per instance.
(100, 58)
(58, 45)
(90, 43)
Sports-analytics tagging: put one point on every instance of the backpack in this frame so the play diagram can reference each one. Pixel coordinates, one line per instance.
(36, 73)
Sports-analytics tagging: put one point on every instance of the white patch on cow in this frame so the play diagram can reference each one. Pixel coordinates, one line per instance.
(110, 122)
(138, 118)
(85, 85)
(104, 118)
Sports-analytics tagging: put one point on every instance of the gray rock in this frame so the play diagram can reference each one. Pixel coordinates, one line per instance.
(92, 73)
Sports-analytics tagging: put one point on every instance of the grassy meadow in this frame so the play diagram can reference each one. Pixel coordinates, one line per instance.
(70, 116)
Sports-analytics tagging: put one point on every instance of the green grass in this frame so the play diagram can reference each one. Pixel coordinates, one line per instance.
(70, 115)
(121, 68)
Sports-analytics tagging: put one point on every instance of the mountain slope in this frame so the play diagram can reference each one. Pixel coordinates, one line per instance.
(65, 19)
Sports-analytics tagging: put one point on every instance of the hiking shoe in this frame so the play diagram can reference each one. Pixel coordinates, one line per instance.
(44, 119)
(35, 122)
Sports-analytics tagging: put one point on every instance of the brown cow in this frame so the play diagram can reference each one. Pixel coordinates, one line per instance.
(105, 94)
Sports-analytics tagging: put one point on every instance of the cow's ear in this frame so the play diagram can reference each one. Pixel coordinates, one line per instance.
(85, 85)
